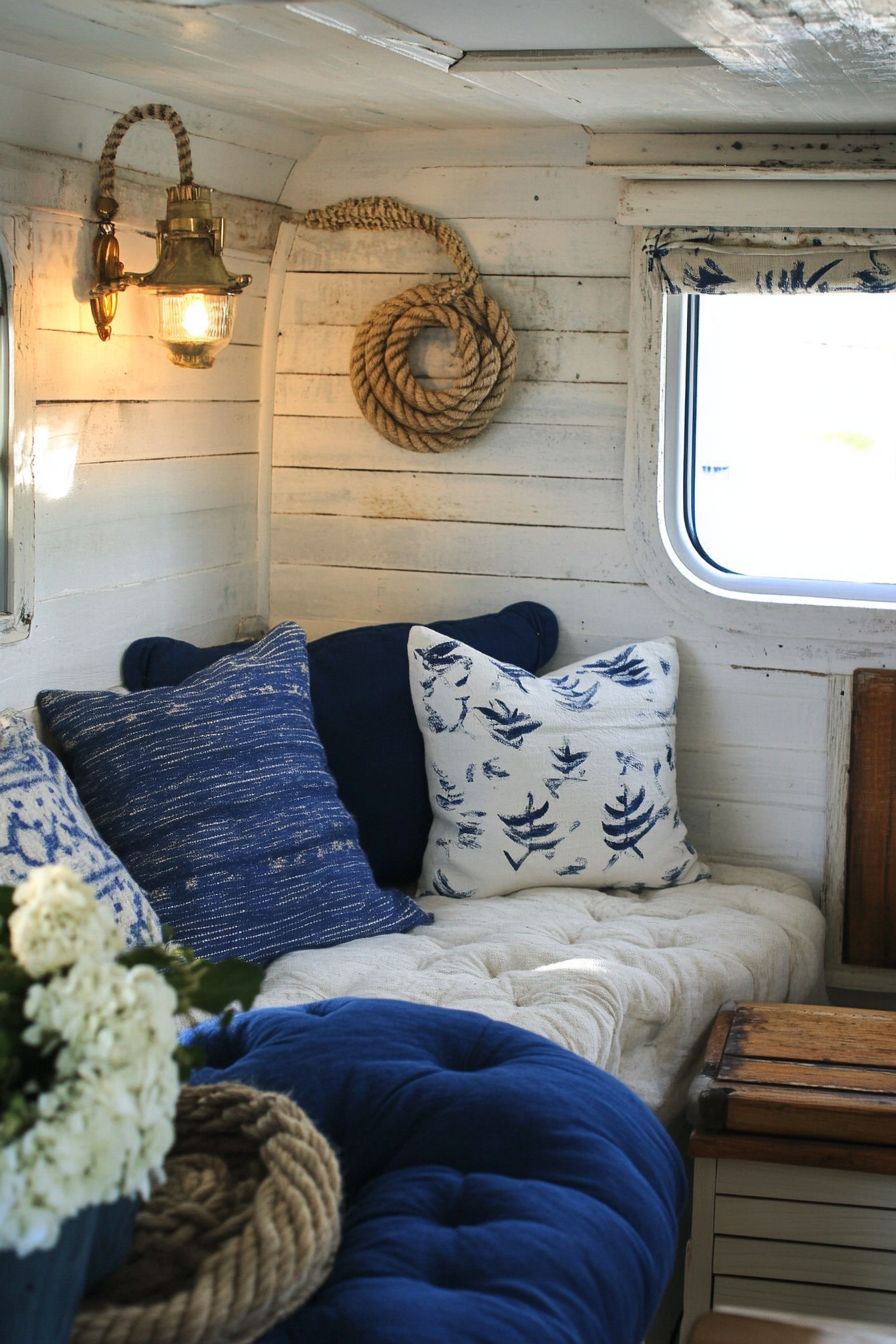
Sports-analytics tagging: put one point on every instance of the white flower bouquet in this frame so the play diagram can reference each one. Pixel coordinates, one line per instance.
(90, 1067)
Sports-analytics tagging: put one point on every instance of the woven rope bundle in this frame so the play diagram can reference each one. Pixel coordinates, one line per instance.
(243, 1231)
(396, 404)
(148, 112)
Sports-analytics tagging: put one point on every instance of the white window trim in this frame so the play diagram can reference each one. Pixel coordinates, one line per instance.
(645, 499)
(17, 252)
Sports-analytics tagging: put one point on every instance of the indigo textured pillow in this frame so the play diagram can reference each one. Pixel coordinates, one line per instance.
(217, 796)
(365, 716)
(42, 821)
(566, 780)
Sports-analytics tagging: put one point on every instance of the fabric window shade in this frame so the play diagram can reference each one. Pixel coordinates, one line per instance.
(715, 261)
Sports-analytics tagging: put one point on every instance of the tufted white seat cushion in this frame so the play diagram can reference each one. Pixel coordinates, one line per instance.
(632, 983)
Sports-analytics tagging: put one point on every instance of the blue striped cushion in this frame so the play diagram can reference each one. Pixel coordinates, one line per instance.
(42, 821)
(217, 796)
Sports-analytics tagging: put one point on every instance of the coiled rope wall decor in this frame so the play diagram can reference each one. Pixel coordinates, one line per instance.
(243, 1231)
(422, 419)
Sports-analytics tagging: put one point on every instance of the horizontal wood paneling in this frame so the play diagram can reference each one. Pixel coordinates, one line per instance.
(73, 366)
(449, 498)
(77, 642)
(104, 493)
(806, 1263)
(502, 147)
(581, 451)
(590, 614)
(526, 403)
(534, 302)
(461, 548)
(793, 1220)
(135, 550)
(563, 357)
(575, 247)
(146, 475)
(813, 1299)
(532, 192)
(364, 532)
(766, 1180)
(126, 431)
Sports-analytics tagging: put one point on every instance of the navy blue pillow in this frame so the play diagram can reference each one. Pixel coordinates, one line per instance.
(365, 716)
(217, 798)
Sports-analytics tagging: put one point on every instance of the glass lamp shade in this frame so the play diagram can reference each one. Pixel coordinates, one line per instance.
(195, 326)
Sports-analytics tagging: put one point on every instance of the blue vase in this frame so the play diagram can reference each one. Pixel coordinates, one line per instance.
(40, 1293)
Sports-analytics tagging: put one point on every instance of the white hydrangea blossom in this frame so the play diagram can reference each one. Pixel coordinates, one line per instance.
(57, 920)
(104, 1129)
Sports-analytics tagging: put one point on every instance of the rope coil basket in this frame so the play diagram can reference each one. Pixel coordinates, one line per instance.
(243, 1231)
(399, 407)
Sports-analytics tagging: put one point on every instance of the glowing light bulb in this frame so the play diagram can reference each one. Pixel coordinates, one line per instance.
(196, 318)
(195, 326)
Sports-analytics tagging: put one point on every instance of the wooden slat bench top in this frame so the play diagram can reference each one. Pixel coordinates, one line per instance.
(778, 1073)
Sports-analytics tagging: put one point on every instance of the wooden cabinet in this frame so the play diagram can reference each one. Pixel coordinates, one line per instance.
(795, 1165)
(792, 1238)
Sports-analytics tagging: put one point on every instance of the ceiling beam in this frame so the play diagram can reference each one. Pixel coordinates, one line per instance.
(749, 155)
(586, 58)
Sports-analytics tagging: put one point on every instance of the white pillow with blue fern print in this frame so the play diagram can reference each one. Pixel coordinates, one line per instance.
(563, 780)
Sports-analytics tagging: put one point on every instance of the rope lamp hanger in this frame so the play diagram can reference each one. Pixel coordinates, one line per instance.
(398, 406)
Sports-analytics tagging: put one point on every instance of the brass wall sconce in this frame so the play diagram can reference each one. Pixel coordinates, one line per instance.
(194, 288)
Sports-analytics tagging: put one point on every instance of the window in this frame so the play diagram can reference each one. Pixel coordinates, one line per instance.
(779, 457)
(784, 420)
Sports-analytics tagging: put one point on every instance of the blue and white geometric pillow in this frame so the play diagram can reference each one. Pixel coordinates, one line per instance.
(564, 780)
(42, 821)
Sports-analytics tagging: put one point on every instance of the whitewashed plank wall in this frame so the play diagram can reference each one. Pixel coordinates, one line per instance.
(146, 474)
(363, 531)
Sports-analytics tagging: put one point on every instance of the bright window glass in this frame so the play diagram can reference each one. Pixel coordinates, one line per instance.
(789, 437)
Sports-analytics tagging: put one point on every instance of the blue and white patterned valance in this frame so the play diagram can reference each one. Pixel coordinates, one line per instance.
(716, 261)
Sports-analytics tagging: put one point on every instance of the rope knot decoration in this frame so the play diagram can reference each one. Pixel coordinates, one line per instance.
(243, 1231)
(426, 420)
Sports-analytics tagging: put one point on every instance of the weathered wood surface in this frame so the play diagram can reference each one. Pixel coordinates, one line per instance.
(682, 156)
(761, 1180)
(548, 303)
(810, 1032)
(576, 247)
(803, 1071)
(789, 1151)
(795, 1220)
(145, 474)
(851, 1305)
(835, 44)
(721, 1327)
(869, 914)
(805, 1262)
(419, 536)
(807, 205)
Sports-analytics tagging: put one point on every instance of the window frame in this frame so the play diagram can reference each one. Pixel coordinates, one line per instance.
(652, 432)
(682, 352)
(16, 254)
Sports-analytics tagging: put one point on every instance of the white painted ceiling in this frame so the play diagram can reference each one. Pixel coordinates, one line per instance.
(510, 24)
(784, 64)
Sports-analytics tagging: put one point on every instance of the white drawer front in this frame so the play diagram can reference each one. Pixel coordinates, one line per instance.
(769, 1180)
(787, 1220)
(806, 1299)
(750, 1257)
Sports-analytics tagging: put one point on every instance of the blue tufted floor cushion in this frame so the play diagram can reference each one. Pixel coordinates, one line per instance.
(498, 1189)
